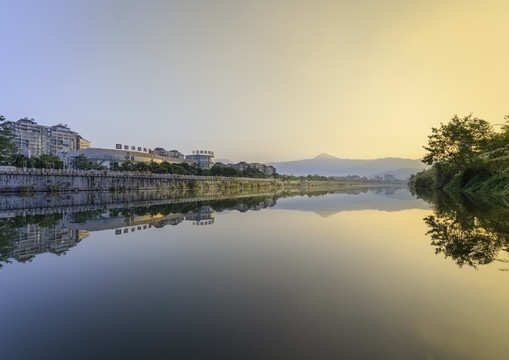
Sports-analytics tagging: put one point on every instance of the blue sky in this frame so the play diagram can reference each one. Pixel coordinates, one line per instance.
(255, 80)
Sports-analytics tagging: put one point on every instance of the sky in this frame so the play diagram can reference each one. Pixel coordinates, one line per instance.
(264, 80)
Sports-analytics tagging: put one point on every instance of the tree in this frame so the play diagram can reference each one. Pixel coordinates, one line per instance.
(127, 166)
(114, 166)
(458, 142)
(225, 171)
(141, 166)
(48, 161)
(82, 163)
(7, 145)
(253, 173)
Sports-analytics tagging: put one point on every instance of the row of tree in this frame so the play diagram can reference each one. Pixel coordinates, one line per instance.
(185, 169)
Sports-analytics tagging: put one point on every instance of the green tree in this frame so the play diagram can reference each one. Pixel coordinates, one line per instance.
(225, 171)
(141, 166)
(48, 161)
(7, 145)
(253, 173)
(82, 163)
(114, 166)
(127, 166)
(458, 142)
(18, 160)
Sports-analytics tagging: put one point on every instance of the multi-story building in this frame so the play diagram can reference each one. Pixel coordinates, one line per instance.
(204, 158)
(33, 139)
(176, 154)
(266, 169)
(107, 156)
(172, 153)
(389, 178)
(82, 143)
(241, 166)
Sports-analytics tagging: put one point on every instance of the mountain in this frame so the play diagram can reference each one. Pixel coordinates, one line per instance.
(224, 161)
(328, 165)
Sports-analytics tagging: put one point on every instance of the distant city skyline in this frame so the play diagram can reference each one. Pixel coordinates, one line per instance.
(256, 81)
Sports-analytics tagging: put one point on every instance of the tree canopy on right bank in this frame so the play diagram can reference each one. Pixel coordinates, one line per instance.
(466, 152)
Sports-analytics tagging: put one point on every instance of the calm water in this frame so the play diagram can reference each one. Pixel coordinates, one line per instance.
(366, 275)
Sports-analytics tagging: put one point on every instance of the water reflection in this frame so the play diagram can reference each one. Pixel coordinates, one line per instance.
(469, 231)
(25, 236)
(39, 224)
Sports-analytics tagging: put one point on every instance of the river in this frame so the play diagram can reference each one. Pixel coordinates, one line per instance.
(363, 274)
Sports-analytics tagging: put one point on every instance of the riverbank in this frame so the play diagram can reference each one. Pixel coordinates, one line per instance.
(56, 181)
(482, 184)
(48, 180)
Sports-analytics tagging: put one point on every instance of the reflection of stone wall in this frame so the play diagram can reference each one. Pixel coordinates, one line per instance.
(34, 240)
(41, 203)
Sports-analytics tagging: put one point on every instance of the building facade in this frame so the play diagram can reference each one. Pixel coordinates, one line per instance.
(33, 139)
(171, 153)
(241, 166)
(107, 156)
(204, 158)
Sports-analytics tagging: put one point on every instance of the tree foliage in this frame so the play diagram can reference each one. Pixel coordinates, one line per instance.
(45, 161)
(82, 163)
(7, 145)
(458, 142)
(227, 171)
(465, 154)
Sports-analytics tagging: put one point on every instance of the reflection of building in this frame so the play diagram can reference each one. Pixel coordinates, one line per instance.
(204, 158)
(107, 221)
(107, 156)
(262, 205)
(204, 216)
(34, 140)
(34, 239)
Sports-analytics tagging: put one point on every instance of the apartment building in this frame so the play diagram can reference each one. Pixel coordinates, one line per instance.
(33, 139)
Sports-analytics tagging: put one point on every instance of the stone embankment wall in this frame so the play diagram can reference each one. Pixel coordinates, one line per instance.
(46, 180)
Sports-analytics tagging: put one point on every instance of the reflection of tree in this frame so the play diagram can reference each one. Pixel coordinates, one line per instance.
(471, 233)
(8, 233)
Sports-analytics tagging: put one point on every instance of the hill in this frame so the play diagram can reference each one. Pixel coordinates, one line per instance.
(328, 165)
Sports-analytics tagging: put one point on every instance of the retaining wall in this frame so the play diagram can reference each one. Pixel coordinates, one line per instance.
(47, 180)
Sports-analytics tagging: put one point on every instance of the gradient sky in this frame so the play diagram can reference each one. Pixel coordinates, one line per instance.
(263, 80)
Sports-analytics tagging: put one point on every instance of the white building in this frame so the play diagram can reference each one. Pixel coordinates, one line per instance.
(204, 158)
(33, 139)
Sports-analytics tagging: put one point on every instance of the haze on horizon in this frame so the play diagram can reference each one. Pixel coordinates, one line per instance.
(265, 80)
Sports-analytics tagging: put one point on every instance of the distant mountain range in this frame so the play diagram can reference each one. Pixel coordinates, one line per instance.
(328, 165)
